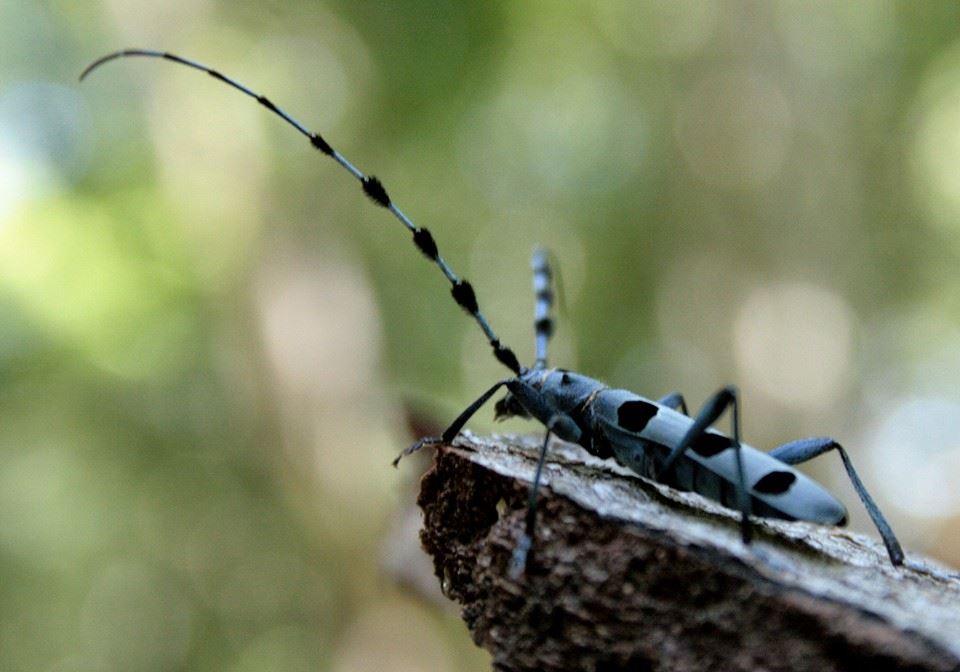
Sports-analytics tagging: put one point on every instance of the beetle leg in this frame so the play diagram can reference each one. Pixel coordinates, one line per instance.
(797, 452)
(450, 433)
(675, 401)
(708, 414)
(564, 426)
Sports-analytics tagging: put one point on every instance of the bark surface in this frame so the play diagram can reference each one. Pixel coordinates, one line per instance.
(626, 574)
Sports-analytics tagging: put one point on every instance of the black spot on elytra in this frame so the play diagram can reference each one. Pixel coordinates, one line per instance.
(709, 444)
(634, 415)
(775, 483)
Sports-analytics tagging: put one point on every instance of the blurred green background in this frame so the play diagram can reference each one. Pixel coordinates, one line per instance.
(210, 341)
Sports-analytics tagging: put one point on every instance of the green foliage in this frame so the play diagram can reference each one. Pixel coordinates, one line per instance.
(207, 335)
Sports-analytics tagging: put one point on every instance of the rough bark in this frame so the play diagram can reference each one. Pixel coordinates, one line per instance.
(626, 574)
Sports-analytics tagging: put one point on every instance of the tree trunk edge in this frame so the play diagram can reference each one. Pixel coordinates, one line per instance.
(604, 594)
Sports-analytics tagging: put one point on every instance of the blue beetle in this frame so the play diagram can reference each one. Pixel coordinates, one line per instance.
(659, 440)
(656, 439)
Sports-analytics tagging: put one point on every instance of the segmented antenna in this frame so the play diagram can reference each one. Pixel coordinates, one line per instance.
(461, 290)
(543, 293)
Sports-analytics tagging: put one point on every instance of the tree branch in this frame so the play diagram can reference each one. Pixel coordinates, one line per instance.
(626, 574)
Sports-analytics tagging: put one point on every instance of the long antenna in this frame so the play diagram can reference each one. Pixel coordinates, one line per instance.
(461, 290)
(543, 300)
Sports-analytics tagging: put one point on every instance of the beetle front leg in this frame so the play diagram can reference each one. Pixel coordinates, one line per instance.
(797, 452)
(450, 433)
(711, 410)
(564, 426)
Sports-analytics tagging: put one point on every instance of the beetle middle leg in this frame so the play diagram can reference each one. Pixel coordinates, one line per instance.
(694, 440)
(675, 401)
(797, 452)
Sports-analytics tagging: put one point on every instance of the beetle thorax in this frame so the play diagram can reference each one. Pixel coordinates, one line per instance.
(545, 393)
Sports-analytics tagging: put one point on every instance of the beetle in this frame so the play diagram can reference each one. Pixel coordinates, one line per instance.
(656, 439)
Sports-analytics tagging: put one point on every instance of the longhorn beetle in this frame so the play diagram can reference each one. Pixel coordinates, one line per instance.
(656, 439)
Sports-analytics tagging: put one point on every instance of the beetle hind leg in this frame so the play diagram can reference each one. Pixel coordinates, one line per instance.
(700, 441)
(803, 450)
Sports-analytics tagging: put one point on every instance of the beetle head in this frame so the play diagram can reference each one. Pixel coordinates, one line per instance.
(509, 407)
